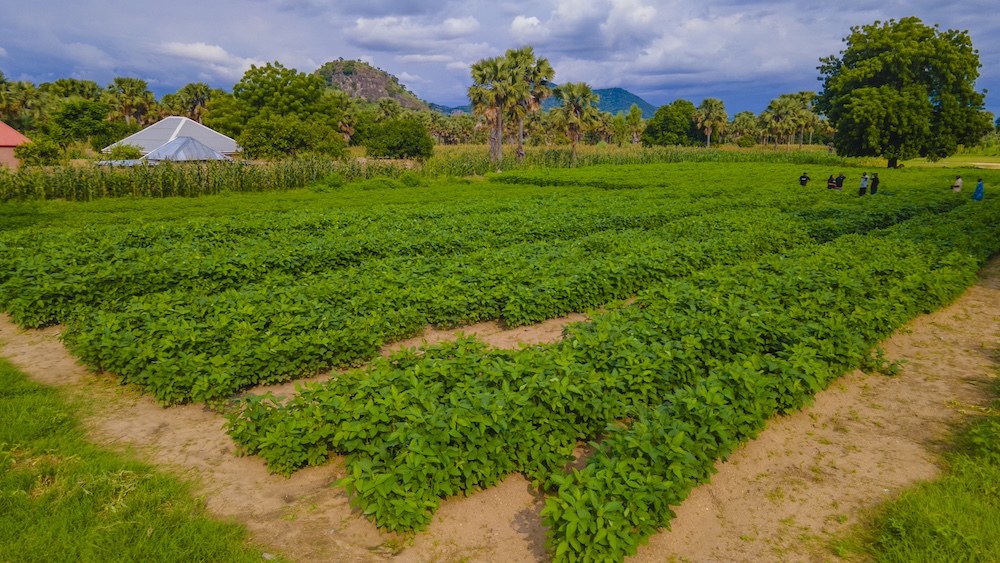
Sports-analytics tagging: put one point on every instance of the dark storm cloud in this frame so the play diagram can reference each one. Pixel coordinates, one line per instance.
(745, 52)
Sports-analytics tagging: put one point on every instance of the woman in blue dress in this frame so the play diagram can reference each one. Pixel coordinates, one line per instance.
(980, 189)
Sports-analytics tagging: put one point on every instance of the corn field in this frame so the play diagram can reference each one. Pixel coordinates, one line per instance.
(76, 183)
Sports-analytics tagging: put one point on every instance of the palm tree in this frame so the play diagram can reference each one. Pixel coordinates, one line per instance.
(128, 96)
(785, 114)
(536, 73)
(711, 115)
(388, 108)
(496, 89)
(21, 104)
(635, 123)
(578, 111)
(172, 104)
(194, 97)
(744, 123)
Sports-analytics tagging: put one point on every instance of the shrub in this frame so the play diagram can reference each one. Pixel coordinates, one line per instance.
(40, 152)
(333, 181)
(400, 138)
(411, 180)
(125, 152)
(276, 136)
(746, 142)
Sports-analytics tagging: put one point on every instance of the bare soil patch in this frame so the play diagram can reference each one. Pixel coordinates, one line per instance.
(779, 498)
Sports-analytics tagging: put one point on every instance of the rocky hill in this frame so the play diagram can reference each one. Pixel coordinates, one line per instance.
(361, 80)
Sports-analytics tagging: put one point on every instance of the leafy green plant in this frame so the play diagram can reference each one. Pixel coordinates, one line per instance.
(124, 152)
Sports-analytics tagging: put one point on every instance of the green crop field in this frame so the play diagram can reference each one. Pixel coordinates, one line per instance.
(750, 293)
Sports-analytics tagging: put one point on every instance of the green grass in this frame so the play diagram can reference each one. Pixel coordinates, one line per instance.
(954, 518)
(64, 499)
(954, 161)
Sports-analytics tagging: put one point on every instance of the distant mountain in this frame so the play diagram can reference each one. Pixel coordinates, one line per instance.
(361, 80)
(447, 110)
(613, 100)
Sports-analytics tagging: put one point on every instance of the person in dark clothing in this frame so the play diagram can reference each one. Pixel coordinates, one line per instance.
(804, 179)
(831, 183)
(840, 181)
(875, 182)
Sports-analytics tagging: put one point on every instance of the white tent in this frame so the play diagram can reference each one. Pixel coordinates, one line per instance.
(162, 132)
(184, 149)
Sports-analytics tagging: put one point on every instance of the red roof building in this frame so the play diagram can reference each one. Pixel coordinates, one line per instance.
(10, 138)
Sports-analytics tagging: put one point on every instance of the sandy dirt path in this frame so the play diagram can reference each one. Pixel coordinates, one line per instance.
(778, 499)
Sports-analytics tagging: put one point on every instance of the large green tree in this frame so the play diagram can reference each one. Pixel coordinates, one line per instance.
(276, 111)
(672, 125)
(902, 89)
(80, 118)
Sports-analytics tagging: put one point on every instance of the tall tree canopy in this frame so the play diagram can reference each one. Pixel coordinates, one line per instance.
(536, 72)
(497, 87)
(578, 112)
(711, 116)
(672, 125)
(130, 97)
(275, 111)
(903, 89)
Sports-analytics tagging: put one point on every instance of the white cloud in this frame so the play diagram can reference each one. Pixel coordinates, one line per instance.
(407, 77)
(3, 52)
(460, 27)
(459, 65)
(417, 58)
(213, 58)
(412, 34)
(629, 23)
(527, 29)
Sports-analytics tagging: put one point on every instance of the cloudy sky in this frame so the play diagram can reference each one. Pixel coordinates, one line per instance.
(745, 52)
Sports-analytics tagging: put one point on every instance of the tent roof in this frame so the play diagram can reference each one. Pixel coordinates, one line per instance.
(170, 128)
(185, 149)
(9, 137)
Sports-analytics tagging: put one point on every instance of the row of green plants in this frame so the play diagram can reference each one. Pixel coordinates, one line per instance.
(200, 308)
(53, 271)
(830, 307)
(129, 252)
(83, 183)
(181, 345)
(674, 382)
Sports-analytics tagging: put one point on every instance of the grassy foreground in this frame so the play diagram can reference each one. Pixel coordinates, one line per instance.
(954, 518)
(64, 499)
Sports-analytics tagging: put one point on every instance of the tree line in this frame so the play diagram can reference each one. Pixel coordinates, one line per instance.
(898, 90)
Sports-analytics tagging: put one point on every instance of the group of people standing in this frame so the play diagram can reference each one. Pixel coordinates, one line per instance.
(976, 195)
(837, 183)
